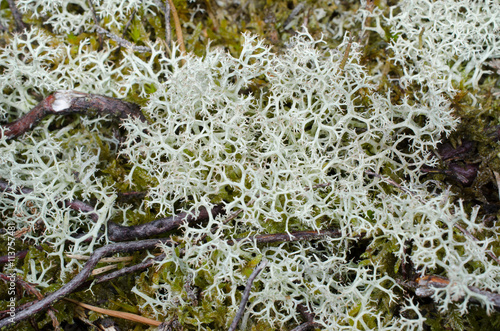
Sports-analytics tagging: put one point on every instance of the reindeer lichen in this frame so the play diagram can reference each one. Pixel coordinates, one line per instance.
(314, 133)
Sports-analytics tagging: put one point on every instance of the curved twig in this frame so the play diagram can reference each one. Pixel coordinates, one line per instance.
(122, 42)
(31, 289)
(122, 233)
(70, 102)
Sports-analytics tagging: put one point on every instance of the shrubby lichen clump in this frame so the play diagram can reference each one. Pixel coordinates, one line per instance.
(292, 138)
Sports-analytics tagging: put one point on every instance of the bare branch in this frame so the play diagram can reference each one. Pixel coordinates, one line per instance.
(119, 233)
(70, 102)
(309, 325)
(96, 20)
(294, 13)
(168, 30)
(124, 33)
(18, 18)
(246, 294)
(122, 233)
(122, 42)
(165, 8)
(294, 236)
(115, 274)
(305, 326)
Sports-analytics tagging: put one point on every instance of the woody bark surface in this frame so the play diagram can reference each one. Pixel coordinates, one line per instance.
(71, 102)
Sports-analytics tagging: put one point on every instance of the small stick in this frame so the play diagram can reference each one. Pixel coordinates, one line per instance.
(71, 102)
(122, 42)
(18, 18)
(123, 271)
(424, 287)
(122, 233)
(128, 23)
(370, 5)
(168, 29)
(246, 294)
(117, 259)
(346, 55)
(165, 8)
(308, 316)
(97, 21)
(118, 232)
(294, 236)
(294, 13)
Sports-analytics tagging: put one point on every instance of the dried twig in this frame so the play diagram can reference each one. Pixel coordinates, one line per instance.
(294, 13)
(18, 256)
(125, 29)
(122, 42)
(294, 236)
(97, 21)
(18, 18)
(122, 233)
(70, 102)
(309, 325)
(123, 271)
(370, 5)
(82, 276)
(246, 294)
(393, 183)
(168, 30)
(165, 8)
(346, 55)
(251, 202)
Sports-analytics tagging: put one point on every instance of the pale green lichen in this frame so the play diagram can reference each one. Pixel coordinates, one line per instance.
(260, 131)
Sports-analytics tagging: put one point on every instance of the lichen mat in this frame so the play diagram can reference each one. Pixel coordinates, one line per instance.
(301, 162)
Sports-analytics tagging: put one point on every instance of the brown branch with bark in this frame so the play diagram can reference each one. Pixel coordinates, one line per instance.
(71, 102)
